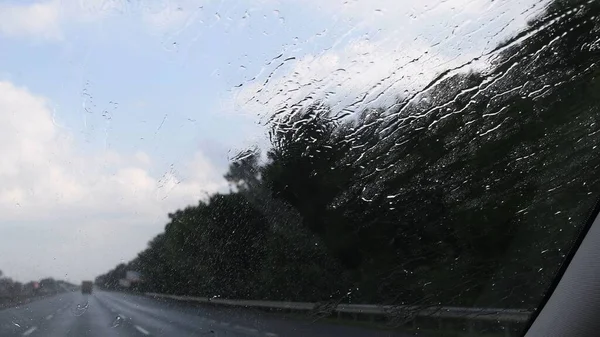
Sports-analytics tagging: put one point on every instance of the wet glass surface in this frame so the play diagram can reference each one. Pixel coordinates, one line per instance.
(292, 168)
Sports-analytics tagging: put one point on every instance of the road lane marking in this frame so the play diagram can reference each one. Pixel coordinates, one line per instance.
(49, 317)
(270, 334)
(29, 331)
(142, 330)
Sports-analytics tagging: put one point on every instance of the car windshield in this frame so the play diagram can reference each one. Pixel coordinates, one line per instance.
(292, 168)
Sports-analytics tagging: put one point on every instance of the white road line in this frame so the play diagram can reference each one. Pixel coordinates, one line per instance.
(270, 334)
(49, 317)
(29, 331)
(142, 330)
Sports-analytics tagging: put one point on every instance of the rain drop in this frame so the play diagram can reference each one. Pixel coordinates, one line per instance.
(118, 320)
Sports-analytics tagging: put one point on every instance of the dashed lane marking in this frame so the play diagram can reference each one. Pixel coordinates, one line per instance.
(142, 330)
(49, 317)
(29, 331)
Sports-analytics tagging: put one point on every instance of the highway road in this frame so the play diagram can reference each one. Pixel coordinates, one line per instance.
(106, 314)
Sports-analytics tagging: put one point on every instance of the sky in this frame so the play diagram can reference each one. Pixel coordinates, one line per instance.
(115, 113)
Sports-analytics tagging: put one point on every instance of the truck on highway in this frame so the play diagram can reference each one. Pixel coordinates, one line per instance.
(86, 287)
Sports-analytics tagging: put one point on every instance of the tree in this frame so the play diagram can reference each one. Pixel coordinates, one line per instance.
(458, 194)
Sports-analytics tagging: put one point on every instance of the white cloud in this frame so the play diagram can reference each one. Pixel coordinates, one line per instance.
(142, 158)
(171, 15)
(385, 48)
(37, 19)
(340, 77)
(48, 188)
(48, 19)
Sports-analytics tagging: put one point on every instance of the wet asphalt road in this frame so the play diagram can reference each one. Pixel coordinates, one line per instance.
(106, 314)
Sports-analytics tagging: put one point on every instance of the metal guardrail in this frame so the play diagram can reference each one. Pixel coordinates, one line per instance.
(478, 314)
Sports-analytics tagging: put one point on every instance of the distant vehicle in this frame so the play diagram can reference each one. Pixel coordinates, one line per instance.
(86, 287)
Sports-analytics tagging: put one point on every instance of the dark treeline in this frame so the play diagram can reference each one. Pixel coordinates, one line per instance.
(468, 192)
(14, 292)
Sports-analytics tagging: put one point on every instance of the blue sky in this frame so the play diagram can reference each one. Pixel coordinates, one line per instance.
(114, 113)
